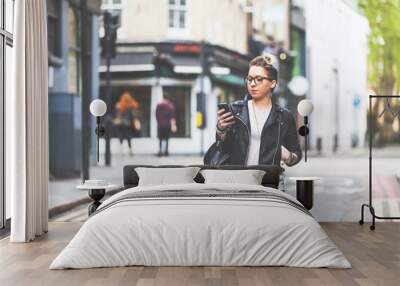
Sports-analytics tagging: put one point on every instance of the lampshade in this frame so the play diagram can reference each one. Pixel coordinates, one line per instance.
(305, 107)
(98, 107)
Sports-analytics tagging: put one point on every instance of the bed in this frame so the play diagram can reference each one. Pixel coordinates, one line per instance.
(201, 224)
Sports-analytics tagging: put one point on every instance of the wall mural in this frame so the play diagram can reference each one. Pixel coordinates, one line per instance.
(193, 92)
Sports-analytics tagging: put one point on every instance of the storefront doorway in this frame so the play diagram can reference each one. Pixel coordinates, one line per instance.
(180, 97)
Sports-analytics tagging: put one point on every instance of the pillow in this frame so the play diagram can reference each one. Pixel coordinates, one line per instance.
(249, 177)
(163, 176)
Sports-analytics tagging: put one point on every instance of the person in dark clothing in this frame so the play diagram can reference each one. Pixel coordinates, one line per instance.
(166, 123)
(256, 131)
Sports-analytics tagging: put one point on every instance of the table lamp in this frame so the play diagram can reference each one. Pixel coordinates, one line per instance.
(305, 108)
(98, 108)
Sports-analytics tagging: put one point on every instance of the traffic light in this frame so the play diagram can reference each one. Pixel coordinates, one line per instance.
(199, 120)
(201, 110)
(285, 67)
(108, 42)
(283, 55)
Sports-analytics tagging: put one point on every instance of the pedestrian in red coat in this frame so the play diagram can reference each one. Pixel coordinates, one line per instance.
(166, 123)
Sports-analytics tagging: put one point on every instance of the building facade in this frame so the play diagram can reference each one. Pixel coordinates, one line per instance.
(65, 82)
(184, 71)
(327, 43)
(337, 48)
(192, 51)
(188, 20)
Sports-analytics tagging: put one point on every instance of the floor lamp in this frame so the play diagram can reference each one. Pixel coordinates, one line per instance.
(369, 205)
(305, 108)
(98, 108)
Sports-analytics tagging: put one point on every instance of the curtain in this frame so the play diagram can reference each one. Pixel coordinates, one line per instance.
(28, 123)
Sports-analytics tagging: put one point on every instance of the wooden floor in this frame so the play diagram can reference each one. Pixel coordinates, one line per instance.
(375, 257)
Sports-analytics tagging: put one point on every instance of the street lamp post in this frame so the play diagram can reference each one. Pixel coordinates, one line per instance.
(202, 61)
(108, 52)
(85, 90)
(108, 97)
(201, 96)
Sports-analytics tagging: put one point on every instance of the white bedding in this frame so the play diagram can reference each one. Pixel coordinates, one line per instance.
(182, 231)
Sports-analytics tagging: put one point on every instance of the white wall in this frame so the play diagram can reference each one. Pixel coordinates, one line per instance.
(336, 39)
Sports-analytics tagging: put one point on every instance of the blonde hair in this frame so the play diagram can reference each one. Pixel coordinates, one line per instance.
(266, 63)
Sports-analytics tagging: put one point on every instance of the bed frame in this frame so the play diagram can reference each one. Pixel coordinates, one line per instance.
(270, 179)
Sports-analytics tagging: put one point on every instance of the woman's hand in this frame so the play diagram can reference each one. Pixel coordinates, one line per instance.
(225, 119)
(174, 129)
(288, 157)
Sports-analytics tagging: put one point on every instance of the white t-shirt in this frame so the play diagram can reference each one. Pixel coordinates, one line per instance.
(255, 134)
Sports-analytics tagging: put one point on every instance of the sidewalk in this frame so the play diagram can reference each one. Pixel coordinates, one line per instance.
(386, 152)
(64, 191)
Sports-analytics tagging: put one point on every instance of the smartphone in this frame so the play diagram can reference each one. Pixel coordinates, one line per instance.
(224, 105)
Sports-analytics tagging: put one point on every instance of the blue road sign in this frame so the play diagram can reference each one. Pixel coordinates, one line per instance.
(356, 102)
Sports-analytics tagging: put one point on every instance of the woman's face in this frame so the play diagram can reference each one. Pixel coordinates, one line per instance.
(258, 82)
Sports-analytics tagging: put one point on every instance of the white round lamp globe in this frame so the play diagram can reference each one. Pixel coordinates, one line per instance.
(305, 107)
(98, 107)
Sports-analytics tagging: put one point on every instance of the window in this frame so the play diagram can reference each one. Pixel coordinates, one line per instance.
(229, 94)
(177, 14)
(111, 4)
(140, 94)
(53, 27)
(6, 43)
(298, 43)
(9, 15)
(73, 51)
(180, 97)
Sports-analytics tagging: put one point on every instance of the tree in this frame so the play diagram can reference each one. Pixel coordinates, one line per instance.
(384, 44)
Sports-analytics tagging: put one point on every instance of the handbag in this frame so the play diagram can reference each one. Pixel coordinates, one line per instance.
(215, 156)
(117, 120)
(135, 124)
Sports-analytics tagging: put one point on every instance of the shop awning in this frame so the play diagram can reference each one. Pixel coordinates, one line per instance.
(188, 65)
(231, 79)
(130, 62)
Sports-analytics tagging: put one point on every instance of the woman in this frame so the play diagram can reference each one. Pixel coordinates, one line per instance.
(166, 123)
(256, 131)
(125, 119)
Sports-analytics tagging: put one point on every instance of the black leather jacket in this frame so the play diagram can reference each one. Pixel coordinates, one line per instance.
(280, 129)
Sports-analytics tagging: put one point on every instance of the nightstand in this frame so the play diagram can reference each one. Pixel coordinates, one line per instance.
(305, 190)
(96, 193)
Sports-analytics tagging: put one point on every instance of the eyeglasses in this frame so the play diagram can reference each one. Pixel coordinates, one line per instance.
(257, 79)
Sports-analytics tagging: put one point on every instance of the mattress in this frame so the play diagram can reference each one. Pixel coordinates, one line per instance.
(201, 225)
